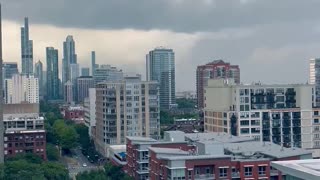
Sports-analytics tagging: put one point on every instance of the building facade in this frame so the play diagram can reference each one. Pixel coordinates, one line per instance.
(38, 73)
(24, 130)
(26, 50)
(205, 156)
(53, 85)
(217, 69)
(93, 62)
(69, 57)
(1, 96)
(282, 114)
(107, 73)
(9, 69)
(129, 107)
(90, 112)
(314, 77)
(85, 71)
(84, 83)
(20, 89)
(160, 67)
(68, 93)
(74, 71)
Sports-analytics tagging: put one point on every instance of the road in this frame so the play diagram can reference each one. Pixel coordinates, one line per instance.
(76, 165)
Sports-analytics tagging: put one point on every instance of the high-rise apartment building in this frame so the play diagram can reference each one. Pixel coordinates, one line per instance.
(217, 69)
(69, 57)
(39, 74)
(21, 88)
(84, 83)
(53, 85)
(1, 96)
(26, 50)
(314, 77)
(74, 72)
(85, 71)
(129, 107)
(160, 65)
(90, 112)
(107, 73)
(281, 114)
(93, 62)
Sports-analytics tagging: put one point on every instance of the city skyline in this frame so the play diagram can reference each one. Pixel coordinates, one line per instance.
(265, 40)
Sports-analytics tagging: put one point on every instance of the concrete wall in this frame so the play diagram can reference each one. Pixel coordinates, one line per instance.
(20, 108)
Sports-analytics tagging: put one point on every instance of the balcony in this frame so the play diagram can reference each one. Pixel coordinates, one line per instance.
(235, 175)
(204, 176)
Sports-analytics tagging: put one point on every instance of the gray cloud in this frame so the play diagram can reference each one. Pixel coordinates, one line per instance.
(175, 15)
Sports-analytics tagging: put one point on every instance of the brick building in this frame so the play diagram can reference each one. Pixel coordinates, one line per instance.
(205, 156)
(74, 113)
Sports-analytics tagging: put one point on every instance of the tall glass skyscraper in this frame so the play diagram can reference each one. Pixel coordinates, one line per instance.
(38, 67)
(52, 74)
(69, 57)
(160, 66)
(1, 98)
(26, 50)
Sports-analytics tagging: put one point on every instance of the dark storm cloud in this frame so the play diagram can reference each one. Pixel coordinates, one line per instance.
(175, 15)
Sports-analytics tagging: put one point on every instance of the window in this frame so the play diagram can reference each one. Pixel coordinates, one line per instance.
(244, 123)
(316, 121)
(316, 113)
(262, 170)
(248, 171)
(223, 172)
(244, 131)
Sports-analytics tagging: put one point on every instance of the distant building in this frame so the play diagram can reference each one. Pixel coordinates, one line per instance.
(160, 67)
(68, 93)
(39, 74)
(85, 71)
(69, 57)
(93, 63)
(20, 89)
(53, 84)
(205, 156)
(186, 95)
(74, 113)
(74, 72)
(90, 112)
(131, 107)
(107, 73)
(217, 69)
(26, 50)
(314, 78)
(83, 85)
(282, 114)
(9, 69)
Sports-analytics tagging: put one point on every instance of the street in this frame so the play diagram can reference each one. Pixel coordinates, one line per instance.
(75, 164)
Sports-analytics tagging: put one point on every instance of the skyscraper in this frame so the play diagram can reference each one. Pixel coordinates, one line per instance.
(1, 97)
(74, 72)
(85, 71)
(314, 77)
(26, 50)
(39, 74)
(107, 73)
(160, 66)
(53, 83)
(93, 62)
(214, 70)
(84, 83)
(68, 92)
(10, 68)
(69, 57)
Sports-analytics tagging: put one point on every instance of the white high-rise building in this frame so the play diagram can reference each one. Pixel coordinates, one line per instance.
(21, 88)
(282, 114)
(125, 108)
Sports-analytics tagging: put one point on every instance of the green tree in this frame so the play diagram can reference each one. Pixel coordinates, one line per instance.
(186, 103)
(166, 118)
(52, 152)
(55, 171)
(66, 135)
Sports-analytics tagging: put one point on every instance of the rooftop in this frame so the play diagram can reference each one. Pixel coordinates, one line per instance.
(303, 169)
(141, 139)
(193, 157)
(173, 151)
(218, 137)
(257, 149)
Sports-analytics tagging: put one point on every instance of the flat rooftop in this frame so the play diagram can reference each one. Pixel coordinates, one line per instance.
(141, 139)
(250, 149)
(173, 151)
(303, 169)
(218, 137)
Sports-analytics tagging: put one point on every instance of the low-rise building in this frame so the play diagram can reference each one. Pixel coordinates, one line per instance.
(206, 156)
(74, 113)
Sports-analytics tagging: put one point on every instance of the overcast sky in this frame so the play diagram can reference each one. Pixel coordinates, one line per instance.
(271, 40)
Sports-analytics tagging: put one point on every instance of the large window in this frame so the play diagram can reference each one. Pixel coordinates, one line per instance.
(248, 171)
(262, 170)
(223, 172)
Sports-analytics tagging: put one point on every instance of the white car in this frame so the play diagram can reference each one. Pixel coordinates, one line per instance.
(84, 165)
